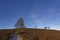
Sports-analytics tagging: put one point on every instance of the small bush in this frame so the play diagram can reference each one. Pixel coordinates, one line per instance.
(18, 32)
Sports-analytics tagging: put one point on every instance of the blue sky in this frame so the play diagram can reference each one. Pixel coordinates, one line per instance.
(34, 12)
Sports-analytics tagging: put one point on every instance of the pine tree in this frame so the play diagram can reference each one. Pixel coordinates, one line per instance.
(20, 23)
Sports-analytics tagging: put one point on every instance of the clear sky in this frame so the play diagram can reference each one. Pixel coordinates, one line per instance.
(34, 12)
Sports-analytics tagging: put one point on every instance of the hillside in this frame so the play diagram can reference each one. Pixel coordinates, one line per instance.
(5, 34)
